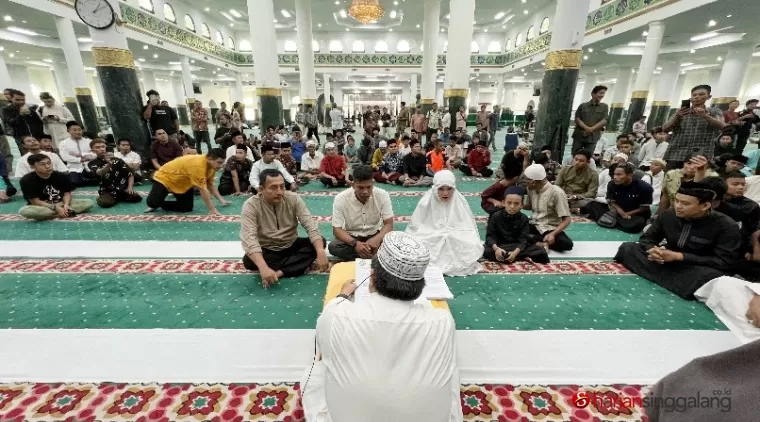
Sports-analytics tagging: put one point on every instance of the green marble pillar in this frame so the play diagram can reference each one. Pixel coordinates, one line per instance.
(616, 113)
(213, 114)
(270, 104)
(555, 105)
(71, 104)
(287, 117)
(328, 120)
(87, 110)
(121, 91)
(182, 111)
(104, 113)
(671, 113)
(635, 110)
(722, 102)
(658, 115)
(455, 98)
(427, 105)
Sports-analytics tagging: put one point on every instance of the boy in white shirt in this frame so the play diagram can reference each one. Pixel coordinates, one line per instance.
(131, 158)
(76, 152)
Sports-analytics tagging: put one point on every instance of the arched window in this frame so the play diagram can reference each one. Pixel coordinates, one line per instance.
(474, 48)
(544, 26)
(314, 46)
(190, 24)
(219, 38)
(230, 43)
(205, 31)
(336, 46)
(169, 13)
(291, 46)
(446, 47)
(494, 47)
(357, 47)
(147, 5)
(245, 45)
(531, 33)
(403, 46)
(520, 40)
(381, 47)
(509, 45)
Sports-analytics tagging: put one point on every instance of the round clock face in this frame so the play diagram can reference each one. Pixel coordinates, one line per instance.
(96, 13)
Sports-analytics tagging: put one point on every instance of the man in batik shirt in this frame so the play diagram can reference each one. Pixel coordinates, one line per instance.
(116, 178)
(236, 174)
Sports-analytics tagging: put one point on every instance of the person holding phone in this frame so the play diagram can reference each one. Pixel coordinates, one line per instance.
(695, 128)
(746, 119)
(161, 116)
(54, 118)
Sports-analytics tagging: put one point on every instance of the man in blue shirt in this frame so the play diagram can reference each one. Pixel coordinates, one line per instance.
(298, 146)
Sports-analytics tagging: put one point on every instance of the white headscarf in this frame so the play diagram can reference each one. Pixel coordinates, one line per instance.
(448, 229)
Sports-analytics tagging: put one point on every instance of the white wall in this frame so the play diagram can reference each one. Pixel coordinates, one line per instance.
(44, 80)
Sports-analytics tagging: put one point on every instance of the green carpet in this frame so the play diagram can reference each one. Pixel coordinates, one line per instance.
(484, 302)
(213, 231)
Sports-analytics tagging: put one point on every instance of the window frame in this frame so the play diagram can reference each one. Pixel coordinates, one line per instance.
(357, 43)
(174, 15)
(205, 31)
(544, 28)
(408, 48)
(192, 21)
(381, 50)
(152, 6)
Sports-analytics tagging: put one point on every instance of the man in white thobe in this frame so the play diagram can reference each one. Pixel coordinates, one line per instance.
(385, 358)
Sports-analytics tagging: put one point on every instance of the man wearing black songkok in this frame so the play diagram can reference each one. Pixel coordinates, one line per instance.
(687, 246)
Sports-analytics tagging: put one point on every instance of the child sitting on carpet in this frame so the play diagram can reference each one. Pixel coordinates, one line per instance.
(508, 236)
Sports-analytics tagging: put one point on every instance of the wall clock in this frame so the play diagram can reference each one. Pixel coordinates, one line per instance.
(96, 13)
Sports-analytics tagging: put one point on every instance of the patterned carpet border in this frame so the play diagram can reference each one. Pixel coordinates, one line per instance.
(231, 266)
(175, 218)
(281, 402)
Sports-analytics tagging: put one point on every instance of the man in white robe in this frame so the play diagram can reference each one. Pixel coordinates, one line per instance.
(385, 358)
(444, 223)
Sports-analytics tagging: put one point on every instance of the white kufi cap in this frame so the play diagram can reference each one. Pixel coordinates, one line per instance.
(535, 172)
(403, 256)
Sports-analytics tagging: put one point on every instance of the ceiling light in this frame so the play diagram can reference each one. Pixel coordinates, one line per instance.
(720, 59)
(448, 16)
(390, 30)
(499, 15)
(686, 64)
(728, 16)
(155, 56)
(8, 18)
(636, 44)
(590, 50)
(286, 13)
(418, 25)
(395, 3)
(84, 39)
(393, 14)
(524, 1)
(11, 55)
(645, 33)
(692, 51)
(235, 13)
(347, 29)
(585, 57)
(174, 62)
(485, 30)
(207, 9)
(704, 36)
(47, 60)
(443, 29)
(594, 70)
(525, 12)
(756, 54)
(145, 47)
(192, 61)
(231, 24)
(141, 59)
(504, 26)
(275, 20)
(543, 63)
(337, 2)
(25, 32)
(320, 25)
(343, 13)
(658, 68)
(711, 23)
(2, 48)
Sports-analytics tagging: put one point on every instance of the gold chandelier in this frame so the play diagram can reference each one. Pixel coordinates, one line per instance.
(366, 11)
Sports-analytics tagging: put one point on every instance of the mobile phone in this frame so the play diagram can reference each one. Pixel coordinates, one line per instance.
(50, 116)
(685, 103)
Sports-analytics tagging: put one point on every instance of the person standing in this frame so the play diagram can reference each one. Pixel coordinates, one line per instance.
(419, 125)
(530, 116)
(590, 119)
(199, 117)
(336, 118)
(54, 118)
(385, 117)
(433, 122)
(311, 122)
(461, 119)
(483, 116)
(746, 119)
(493, 125)
(404, 116)
(695, 129)
(300, 121)
(161, 117)
(20, 120)
(222, 110)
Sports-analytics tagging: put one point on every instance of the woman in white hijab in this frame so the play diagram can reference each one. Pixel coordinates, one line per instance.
(444, 223)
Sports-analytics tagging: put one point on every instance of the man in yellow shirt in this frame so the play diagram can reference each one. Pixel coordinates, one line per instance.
(180, 176)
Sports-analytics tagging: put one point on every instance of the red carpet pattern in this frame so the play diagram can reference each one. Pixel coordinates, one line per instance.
(226, 266)
(280, 402)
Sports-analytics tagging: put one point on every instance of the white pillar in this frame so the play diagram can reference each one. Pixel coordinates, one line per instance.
(71, 51)
(149, 79)
(712, 77)
(499, 91)
(187, 78)
(474, 95)
(675, 99)
(265, 64)
(430, 25)
(98, 88)
(735, 67)
(622, 83)
(305, 52)
(668, 79)
(240, 96)
(459, 39)
(591, 82)
(4, 74)
(179, 90)
(649, 57)
(62, 81)
(413, 97)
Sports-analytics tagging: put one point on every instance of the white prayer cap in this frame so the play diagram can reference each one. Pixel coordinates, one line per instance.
(403, 256)
(535, 172)
(383, 144)
(444, 178)
(329, 145)
(621, 155)
(311, 143)
(523, 145)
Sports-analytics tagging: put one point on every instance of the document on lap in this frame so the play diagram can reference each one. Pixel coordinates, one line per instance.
(436, 287)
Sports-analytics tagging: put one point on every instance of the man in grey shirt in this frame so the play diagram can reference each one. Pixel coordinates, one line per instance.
(590, 119)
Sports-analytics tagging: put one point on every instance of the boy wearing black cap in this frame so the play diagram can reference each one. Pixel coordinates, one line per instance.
(508, 236)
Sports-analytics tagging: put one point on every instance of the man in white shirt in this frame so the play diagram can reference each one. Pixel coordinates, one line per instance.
(362, 215)
(311, 161)
(238, 138)
(433, 121)
(336, 118)
(32, 145)
(76, 152)
(268, 162)
(445, 119)
(384, 358)
(130, 157)
(653, 149)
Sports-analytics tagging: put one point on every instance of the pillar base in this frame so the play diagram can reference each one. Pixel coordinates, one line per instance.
(455, 98)
(88, 111)
(427, 105)
(658, 115)
(270, 100)
(117, 74)
(616, 112)
(722, 102)
(635, 110)
(555, 105)
(73, 106)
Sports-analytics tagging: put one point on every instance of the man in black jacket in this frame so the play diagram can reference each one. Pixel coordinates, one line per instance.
(22, 120)
(415, 167)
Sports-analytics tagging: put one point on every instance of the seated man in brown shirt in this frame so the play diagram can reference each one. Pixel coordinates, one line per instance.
(163, 150)
(269, 232)
(579, 181)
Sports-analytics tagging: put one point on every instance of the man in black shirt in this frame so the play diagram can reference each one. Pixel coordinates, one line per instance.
(48, 192)
(515, 161)
(701, 244)
(160, 116)
(630, 199)
(747, 118)
(415, 167)
(223, 135)
(21, 120)
(116, 178)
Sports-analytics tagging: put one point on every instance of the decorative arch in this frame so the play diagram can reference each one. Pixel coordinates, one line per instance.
(531, 33)
(381, 47)
(510, 45)
(520, 39)
(314, 46)
(147, 5)
(219, 37)
(205, 31)
(357, 46)
(474, 48)
(336, 46)
(230, 43)
(494, 47)
(189, 23)
(403, 46)
(169, 13)
(544, 26)
(291, 46)
(245, 45)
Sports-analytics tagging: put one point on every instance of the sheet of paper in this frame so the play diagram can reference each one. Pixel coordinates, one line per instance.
(435, 285)
(361, 275)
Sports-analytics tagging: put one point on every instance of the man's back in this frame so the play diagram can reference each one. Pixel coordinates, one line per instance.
(387, 359)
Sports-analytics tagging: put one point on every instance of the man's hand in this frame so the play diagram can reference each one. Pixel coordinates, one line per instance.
(476, 174)
(512, 256)
(699, 111)
(293, 186)
(268, 277)
(364, 250)
(237, 194)
(625, 215)
(683, 112)
(322, 262)
(701, 162)
(4, 197)
(753, 311)
(407, 181)
(670, 256)
(84, 159)
(549, 239)
(131, 192)
(225, 203)
(62, 211)
(501, 254)
(349, 287)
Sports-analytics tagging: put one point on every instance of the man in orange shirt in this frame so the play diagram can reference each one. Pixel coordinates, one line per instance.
(436, 159)
(180, 176)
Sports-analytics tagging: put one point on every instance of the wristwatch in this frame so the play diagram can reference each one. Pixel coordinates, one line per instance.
(346, 297)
